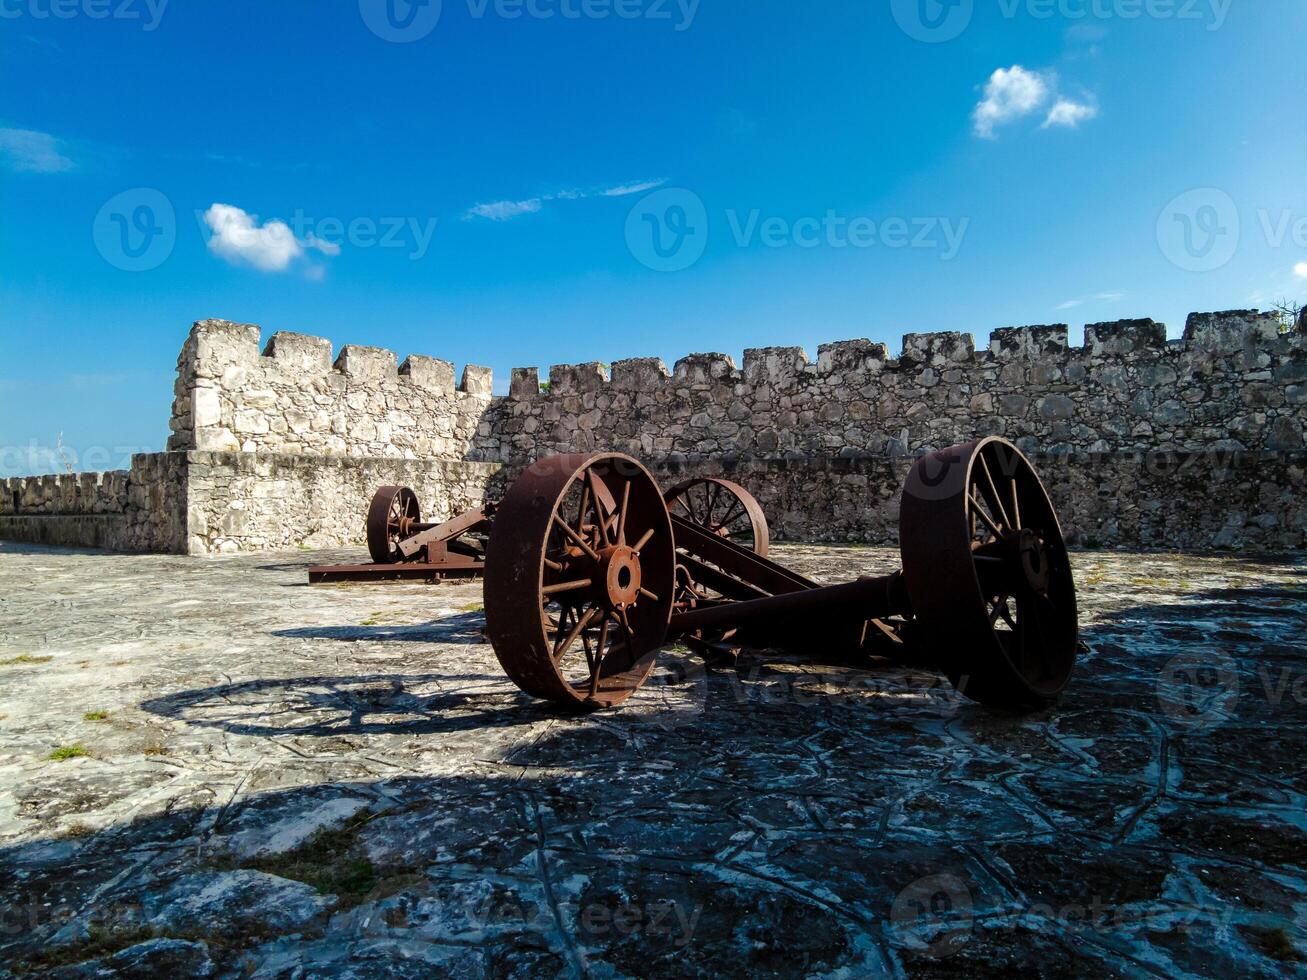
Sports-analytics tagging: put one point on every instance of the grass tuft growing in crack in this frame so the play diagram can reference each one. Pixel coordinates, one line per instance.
(332, 860)
(68, 752)
(24, 658)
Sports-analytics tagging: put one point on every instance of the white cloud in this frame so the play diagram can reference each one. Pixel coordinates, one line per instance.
(272, 247)
(1069, 113)
(28, 151)
(1015, 93)
(621, 190)
(1300, 270)
(504, 210)
(1101, 297)
(1010, 94)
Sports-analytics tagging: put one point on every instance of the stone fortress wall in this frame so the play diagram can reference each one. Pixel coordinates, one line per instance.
(1232, 383)
(1193, 443)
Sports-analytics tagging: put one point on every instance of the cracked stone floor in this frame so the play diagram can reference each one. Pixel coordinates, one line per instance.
(211, 768)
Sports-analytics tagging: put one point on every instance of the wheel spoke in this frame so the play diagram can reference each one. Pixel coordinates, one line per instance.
(600, 656)
(580, 583)
(576, 539)
(585, 505)
(621, 514)
(979, 511)
(1016, 504)
(599, 508)
(644, 540)
(995, 501)
(714, 497)
(581, 622)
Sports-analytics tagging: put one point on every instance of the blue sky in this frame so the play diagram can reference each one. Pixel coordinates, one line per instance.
(487, 186)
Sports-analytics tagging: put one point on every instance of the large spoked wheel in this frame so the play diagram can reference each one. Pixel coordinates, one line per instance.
(391, 515)
(579, 577)
(723, 508)
(988, 575)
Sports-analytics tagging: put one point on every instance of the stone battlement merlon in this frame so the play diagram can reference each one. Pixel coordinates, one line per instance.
(294, 396)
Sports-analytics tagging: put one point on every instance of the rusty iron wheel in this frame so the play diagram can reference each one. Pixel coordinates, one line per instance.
(988, 574)
(579, 576)
(724, 508)
(391, 516)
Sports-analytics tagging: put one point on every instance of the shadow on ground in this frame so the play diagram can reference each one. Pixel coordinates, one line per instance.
(778, 817)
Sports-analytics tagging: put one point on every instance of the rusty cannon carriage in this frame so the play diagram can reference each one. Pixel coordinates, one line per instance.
(589, 572)
(403, 546)
(590, 569)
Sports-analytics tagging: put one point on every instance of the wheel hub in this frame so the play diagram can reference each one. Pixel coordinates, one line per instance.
(621, 576)
(1034, 561)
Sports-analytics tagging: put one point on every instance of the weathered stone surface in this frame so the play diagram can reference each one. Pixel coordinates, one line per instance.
(248, 901)
(146, 961)
(780, 816)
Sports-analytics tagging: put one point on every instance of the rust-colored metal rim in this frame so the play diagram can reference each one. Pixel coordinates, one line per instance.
(724, 508)
(579, 576)
(393, 511)
(988, 574)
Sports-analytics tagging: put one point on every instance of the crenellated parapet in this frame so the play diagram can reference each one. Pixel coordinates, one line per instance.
(1233, 381)
(293, 396)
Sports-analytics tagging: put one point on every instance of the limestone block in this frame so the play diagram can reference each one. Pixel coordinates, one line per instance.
(774, 365)
(1029, 342)
(1125, 336)
(216, 439)
(297, 352)
(477, 380)
(1230, 331)
(937, 349)
(429, 373)
(206, 407)
(639, 373)
(366, 364)
(215, 345)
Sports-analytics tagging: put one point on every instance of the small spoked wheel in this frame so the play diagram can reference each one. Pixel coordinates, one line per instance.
(988, 574)
(579, 577)
(391, 516)
(724, 508)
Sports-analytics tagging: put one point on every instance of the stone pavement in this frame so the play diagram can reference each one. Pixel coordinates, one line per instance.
(210, 768)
